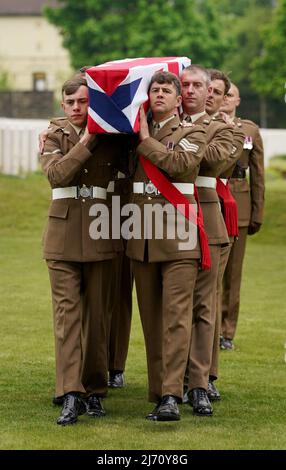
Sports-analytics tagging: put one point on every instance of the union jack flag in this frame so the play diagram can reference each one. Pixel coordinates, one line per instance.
(118, 88)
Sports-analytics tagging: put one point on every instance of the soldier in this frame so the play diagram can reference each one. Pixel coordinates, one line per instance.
(229, 211)
(122, 277)
(198, 91)
(79, 167)
(165, 272)
(250, 202)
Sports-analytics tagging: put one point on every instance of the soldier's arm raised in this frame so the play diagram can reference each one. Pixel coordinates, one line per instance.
(219, 148)
(60, 169)
(183, 158)
(237, 149)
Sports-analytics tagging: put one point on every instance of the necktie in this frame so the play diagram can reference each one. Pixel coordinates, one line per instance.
(156, 128)
(188, 118)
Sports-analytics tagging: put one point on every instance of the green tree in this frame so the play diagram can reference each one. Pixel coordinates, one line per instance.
(269, 69)
(241, 7)
(95, 31)
(243, 22)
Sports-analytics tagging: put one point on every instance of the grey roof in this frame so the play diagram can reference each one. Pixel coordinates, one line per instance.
(24, 7)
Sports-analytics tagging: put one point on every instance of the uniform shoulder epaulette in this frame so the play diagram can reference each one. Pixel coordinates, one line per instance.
(217, 119)
(186, 124)
(59, 121)
(55, 128)
(237, 122)
(248, 121)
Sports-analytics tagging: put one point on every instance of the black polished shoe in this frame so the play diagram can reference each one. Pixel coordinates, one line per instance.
(226, 343)
(58, 401)
(200, 402)
(94, 407)
(116, 379)
(212, 392)
(152, 416)
(168, 409)
(72, 408)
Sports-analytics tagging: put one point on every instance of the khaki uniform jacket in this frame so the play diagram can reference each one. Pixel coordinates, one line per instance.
(250, 195)
(167, 150)
(219, 137)
(66, 162)
(238, 141)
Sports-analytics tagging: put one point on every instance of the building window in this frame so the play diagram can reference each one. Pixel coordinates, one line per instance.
(39, 81)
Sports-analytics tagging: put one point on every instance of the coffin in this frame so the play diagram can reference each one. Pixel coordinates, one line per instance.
(118, 88)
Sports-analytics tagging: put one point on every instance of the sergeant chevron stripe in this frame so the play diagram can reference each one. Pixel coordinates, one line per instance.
(188, 146)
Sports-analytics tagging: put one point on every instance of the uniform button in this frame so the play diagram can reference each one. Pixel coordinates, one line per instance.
(149, 198)
(86, 170)
(83, 200)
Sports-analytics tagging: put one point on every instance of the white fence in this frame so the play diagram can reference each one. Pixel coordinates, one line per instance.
(274, 141)
(19, 144)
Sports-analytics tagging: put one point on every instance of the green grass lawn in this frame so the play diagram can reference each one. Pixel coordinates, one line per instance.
(252, 413)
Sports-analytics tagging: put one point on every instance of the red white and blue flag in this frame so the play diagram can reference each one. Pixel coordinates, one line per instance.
(118, 88)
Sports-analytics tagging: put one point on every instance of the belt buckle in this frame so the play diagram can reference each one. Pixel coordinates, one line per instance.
(150, 188)
(84, 191)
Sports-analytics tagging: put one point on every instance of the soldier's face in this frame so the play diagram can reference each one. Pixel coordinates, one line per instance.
(75, 106)
(163, 99)
(194, 92)
(232, 100)
(216, 96)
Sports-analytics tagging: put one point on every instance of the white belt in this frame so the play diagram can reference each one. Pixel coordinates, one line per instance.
(76, 191)
(205, 182)
(150, 188)
(224, 181)
(110, 187)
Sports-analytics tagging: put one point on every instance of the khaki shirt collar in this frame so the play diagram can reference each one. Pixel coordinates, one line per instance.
(162, 123)
(76, 128)
(194, 117)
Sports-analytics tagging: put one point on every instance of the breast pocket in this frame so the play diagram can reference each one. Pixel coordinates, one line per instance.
(54, 238)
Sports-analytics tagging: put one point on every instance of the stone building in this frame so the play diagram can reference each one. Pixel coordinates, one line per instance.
(31, 53)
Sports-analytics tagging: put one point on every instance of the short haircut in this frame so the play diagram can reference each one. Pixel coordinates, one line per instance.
(194, 68)
(219, 75)
(166, 77)
(73, 84)
(236, 87)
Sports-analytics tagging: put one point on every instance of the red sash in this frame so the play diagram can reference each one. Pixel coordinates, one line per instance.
(175, 197)
(230, 213)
